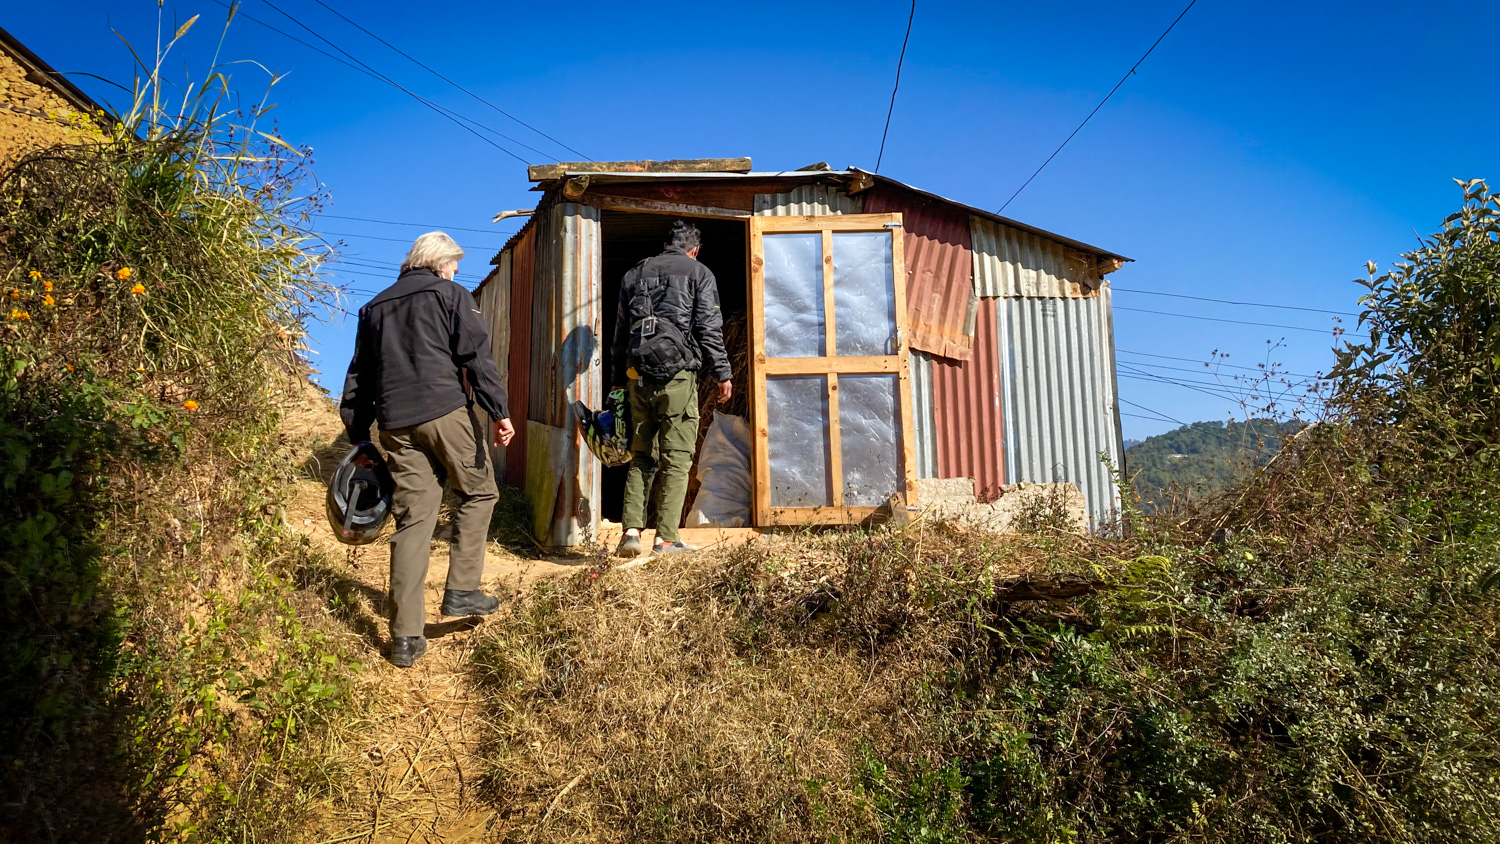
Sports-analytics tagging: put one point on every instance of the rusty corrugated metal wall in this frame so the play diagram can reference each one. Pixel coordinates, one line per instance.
(814, 200)
(967, 410)
(1060, 401)
(493, 297)
(940, 301)
(523, 264)
(1012, 262)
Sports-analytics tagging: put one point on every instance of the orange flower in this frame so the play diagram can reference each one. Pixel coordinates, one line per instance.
(68, 366)
(190, 405)
(47, 286)
(123, 273)
(19, 315)
(15, 294)
(34, 275)
(47, 300)
(138, 289)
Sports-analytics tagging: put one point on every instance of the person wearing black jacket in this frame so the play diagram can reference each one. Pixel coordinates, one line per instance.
(420, 353)
(668, 329)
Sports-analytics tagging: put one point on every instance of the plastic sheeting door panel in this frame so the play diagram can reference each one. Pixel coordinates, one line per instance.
(829, 365)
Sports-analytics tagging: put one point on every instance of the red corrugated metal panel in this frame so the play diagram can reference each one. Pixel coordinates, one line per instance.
(940, 299)
(966, 410)
(522, 267)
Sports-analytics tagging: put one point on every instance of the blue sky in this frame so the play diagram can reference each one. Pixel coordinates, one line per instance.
(1262, 153)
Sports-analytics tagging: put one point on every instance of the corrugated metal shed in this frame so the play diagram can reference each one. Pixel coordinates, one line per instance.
(1012, 262)
(922, 408)
(819, 200)
(967, 410)
(518, 373)
(940, 301)
(1060, 399)
(494, 303)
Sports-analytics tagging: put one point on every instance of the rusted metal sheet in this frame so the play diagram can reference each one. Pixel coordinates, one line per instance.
(813, 200)
(1012, 262)
(493, 297)
(523, 263)
(922, 409)
(1060, 400)
(967, 410)
(940, 300)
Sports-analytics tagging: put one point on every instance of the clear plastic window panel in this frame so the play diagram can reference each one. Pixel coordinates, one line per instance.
(794, 295)
(864, 296)
(797, 414)
(870, 438)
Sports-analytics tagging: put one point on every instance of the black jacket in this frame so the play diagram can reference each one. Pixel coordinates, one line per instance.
(680, 290)
(415, 343)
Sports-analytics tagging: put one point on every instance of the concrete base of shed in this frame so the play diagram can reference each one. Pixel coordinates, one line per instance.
(1019, 505)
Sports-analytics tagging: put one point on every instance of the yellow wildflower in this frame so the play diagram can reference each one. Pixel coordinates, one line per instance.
(190, 405)
(47, 286)
(19, 315)
(68, 366)
(34, 275)
(47, 300)
(123, 273)
(15, 294)
(138, 289)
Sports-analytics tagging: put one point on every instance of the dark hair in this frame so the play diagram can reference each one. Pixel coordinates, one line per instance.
(684, 236)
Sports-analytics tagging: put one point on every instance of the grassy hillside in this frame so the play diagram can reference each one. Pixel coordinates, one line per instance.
(1202, 458)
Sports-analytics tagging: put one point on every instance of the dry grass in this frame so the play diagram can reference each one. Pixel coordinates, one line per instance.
(732, 696)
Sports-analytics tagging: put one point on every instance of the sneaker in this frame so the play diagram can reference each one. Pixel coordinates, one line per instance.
(407, 649)
(630, 546)
(469, 602)
(678, 547)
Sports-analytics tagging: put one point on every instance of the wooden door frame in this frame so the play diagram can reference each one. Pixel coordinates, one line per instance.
(830, 366)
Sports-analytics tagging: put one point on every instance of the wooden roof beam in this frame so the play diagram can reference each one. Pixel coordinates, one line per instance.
(545, 172)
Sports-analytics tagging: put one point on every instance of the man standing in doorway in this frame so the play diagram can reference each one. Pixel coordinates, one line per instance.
(668, 329)
(420, 353)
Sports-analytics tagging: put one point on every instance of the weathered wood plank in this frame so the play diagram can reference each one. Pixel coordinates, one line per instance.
(543, 172)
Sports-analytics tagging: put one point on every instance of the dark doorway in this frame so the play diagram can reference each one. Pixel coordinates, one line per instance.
(627, 238)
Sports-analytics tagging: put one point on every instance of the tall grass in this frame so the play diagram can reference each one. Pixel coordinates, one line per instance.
(161, 678)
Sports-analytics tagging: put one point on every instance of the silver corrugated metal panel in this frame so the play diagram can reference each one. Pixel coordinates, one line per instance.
(812, 200)
(921, 406)
(579, 370)
(1059, 405)
(1012, 262)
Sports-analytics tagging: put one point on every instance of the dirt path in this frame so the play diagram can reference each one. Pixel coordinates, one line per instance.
(418, 764)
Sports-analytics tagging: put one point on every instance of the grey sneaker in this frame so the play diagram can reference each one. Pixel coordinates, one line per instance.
(630, 546)
(468, 602)
(407, 649)
(678, 547)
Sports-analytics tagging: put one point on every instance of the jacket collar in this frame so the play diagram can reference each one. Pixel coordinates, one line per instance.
(410, 281)
(674, 250)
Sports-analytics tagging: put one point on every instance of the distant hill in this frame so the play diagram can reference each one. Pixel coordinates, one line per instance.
(1202, 458)
(1129, 444)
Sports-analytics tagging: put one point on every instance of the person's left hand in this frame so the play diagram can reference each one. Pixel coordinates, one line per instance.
(726, 390)
(504, 432)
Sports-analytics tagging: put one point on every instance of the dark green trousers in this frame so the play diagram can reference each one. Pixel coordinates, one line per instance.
(664, 419)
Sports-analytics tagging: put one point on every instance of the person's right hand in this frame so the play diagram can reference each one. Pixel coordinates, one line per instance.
(726, 389)
(504, 432)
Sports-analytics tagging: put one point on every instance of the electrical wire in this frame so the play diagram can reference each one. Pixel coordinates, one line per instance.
(1267, 373)
(370, 72)
(415, 225)
(1111, 93)
(455, 84)
(1230, 302)
(377, 237)
(1195, 360)
(899, 62)
(1235, 321)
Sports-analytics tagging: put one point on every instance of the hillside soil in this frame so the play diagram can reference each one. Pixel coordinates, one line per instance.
(414, 749)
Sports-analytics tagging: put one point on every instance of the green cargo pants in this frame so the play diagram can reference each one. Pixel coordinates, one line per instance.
(421, 458)
(664, 418)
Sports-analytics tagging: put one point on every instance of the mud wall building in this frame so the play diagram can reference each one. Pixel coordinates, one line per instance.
(38, 107)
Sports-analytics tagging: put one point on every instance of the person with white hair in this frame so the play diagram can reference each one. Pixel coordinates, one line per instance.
(422, 360)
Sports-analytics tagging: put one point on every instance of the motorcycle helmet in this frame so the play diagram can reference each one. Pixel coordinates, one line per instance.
(607, 431)
(359, 496)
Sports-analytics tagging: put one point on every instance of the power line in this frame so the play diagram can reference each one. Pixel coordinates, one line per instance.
(1268, 372)
(370, 72)
(1157, 412)
(376, 237)
(415, 225)
(899, 62)
(1111, 93)
(1235, 321)
(455, 84)
(1230, 302)
(1196, 360)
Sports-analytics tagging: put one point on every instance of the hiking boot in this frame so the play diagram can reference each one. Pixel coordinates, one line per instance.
(407, 649)
(678, 547)
(630, 546)
(469, 602)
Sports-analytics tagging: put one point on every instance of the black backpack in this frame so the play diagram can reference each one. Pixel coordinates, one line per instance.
(658, 349)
